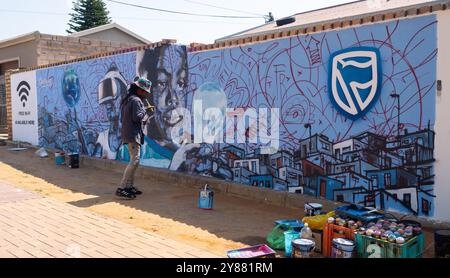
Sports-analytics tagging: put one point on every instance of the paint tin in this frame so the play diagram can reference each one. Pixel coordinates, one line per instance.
(442, 243)
(60, 158)
(302, 248)
(73, 161)
(342, 248)
(312, 209)
(206, 198)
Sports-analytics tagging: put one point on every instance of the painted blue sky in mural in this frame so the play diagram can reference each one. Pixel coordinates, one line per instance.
(292, 74)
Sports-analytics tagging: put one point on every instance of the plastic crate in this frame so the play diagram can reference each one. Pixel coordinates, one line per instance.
(369, 247)
(332, 231)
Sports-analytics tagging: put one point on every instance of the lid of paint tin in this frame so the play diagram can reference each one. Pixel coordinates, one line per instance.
(343, 241)
(313, 206)
(303, 242)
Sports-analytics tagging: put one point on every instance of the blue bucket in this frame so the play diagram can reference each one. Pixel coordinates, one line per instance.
(289, 236)
(206, 198)
(60, 158)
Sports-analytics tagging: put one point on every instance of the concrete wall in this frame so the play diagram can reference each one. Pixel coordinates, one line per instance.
(113, 35)
(25, 52)
(442, 147)
(242, 80)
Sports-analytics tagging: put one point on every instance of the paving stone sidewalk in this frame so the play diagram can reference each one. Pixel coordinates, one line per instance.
(35, 226)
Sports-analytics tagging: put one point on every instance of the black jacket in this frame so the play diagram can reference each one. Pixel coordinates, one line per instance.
(134, 117)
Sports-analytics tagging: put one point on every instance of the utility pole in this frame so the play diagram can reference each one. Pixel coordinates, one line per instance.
(269, 17)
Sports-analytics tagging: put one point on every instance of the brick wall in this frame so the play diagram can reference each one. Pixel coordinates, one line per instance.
(54, 49)
(8, 102)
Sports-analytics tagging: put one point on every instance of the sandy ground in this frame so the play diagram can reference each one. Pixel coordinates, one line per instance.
(166, 209)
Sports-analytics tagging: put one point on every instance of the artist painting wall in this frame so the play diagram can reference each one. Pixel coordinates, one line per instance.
(382, 155)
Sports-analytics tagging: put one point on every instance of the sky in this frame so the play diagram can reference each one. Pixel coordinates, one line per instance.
(19, 17)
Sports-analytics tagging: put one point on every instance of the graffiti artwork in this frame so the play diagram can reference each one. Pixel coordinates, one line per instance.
(78, 105)
(376, 149)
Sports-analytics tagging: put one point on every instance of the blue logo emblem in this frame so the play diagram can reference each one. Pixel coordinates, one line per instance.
(355, 79)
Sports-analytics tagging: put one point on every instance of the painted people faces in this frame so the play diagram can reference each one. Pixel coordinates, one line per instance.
(169, 78)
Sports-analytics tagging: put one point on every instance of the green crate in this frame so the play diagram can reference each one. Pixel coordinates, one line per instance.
(369, 247)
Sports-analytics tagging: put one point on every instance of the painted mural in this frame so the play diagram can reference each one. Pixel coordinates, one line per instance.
(78, 105)
(382, 159)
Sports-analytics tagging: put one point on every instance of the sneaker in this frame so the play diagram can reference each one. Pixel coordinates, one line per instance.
(125, 193)
(134, 190)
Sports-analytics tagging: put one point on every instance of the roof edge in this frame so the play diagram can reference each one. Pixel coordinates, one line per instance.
(20, 39)
(106, 27)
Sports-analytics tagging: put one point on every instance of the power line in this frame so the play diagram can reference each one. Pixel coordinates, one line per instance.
(177, 12)
(223, 8)
(128, 18)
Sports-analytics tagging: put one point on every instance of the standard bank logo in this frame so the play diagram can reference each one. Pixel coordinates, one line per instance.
(355, 80)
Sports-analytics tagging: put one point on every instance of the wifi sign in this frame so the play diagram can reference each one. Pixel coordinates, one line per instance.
(24, 91)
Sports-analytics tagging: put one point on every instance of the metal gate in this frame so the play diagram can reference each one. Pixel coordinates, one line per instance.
(3, 120)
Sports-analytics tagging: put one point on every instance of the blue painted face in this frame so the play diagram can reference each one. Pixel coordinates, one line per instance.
(355, 80)
(71, 88)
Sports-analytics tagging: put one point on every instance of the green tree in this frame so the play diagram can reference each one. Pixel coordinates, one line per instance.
(88, 14)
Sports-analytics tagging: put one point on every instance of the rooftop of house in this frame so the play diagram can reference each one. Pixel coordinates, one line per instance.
(90, 34)
(332, 14)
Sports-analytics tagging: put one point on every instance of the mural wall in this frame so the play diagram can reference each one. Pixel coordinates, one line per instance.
(384, 159)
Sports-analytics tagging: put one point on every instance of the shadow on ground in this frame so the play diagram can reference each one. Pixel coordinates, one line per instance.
(244, 222)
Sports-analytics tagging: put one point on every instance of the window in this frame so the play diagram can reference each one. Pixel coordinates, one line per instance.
(340, 198)
(387, 179)
(236, 173)
(374, 180)
(346, 149)
(337, 153)
(245, 164)
(254, 166)
(426, 172)
(238, 164)
(425, 207)
(407, 199)
(283, 173)
(268, 184)
(255, 183)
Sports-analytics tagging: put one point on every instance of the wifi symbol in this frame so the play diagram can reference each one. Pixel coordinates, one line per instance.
(24, 91)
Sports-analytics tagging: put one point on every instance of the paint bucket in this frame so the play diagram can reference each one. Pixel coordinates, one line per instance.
(302, 248)
(289, 236)
(342, 248)
(206, 198)
(442, 244)
(74, 161)
(60, 158)
(312, 209)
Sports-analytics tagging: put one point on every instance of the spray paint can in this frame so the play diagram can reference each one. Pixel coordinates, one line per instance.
(59, 158)
(206, 198)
